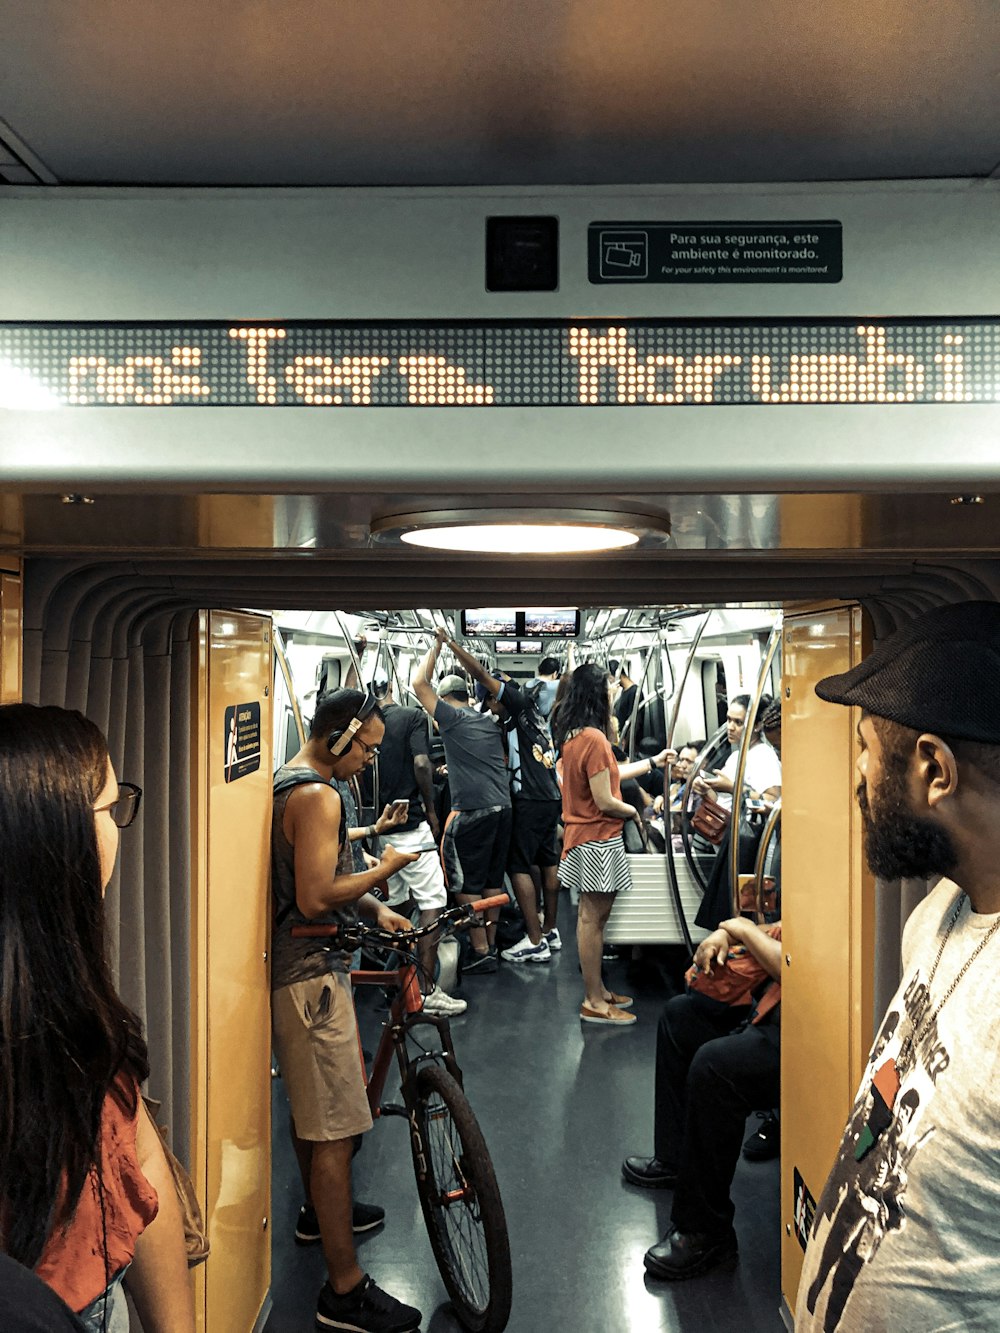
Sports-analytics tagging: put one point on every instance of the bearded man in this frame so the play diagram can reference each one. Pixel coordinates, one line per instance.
(907, 1230)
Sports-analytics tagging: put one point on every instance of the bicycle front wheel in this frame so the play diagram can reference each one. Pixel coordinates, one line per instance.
(461, 1202)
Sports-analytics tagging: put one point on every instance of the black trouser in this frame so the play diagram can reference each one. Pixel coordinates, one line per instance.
(711, 1072)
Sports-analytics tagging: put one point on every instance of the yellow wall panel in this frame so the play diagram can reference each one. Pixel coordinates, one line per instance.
(231, 1083)
(827, 912)
(10, 638)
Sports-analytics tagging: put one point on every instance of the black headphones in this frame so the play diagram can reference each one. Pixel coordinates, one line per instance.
(339, 742)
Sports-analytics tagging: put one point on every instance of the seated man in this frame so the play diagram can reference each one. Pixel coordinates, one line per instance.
(713, 1068)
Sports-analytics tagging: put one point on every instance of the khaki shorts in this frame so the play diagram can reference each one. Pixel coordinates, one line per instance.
(315, 1034)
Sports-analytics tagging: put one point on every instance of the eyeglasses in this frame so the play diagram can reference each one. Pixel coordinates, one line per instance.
(373, 750)
(126, 806)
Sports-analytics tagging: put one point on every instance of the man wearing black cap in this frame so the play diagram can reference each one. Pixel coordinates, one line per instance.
(907, 1230)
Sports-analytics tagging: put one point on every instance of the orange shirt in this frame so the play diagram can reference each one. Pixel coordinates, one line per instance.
(584, 755)
(72, 1262)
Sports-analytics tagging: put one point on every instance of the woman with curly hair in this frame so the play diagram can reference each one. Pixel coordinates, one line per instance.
(86, 1195)
(593, 855)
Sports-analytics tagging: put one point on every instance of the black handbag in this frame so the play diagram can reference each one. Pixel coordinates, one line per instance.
(634, 838)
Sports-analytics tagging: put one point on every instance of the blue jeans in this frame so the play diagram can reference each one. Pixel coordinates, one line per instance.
(93, 1317)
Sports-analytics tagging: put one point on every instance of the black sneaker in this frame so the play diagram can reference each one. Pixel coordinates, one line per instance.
(366, 1309)
(366, 1217)
(480, 963)
(765, 1142)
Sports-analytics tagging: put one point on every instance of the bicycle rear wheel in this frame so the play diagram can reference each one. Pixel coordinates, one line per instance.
(461, 1202)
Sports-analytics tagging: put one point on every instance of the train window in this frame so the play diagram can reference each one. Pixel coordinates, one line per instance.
(291, 737)
(713, 678)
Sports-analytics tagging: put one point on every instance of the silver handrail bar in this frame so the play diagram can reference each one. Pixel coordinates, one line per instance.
(668, 843)
(739, 796)
(770, 828)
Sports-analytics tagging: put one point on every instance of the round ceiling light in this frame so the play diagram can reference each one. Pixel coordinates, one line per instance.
(527, 532)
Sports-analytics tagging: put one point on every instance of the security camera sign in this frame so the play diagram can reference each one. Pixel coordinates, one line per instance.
(715, 252)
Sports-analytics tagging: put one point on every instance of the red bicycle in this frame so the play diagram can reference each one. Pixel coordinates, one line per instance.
(456, 1183)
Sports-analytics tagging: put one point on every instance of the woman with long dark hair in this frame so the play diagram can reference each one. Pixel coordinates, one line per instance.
(593, 855)
(85, 1189)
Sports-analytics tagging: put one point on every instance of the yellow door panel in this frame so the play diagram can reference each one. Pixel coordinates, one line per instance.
(827, 915)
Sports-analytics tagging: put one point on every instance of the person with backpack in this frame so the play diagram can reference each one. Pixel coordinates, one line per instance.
(536, 803)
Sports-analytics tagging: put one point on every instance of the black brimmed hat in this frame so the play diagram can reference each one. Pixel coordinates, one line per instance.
(939, 673)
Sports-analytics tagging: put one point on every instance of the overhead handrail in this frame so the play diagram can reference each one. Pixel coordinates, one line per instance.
(746, 740)
(349, 640)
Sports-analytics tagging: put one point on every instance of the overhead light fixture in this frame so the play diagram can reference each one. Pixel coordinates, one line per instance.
(520, 532)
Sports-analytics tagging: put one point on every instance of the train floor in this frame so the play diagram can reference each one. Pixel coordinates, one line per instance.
(560, 1103)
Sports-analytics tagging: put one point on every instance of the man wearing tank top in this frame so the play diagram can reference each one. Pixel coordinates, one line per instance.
(907, 1230)
(314, 1029)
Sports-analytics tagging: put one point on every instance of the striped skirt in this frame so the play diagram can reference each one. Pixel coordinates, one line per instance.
(596, 867)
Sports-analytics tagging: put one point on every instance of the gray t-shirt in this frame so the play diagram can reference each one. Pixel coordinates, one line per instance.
(473, 751)
(907, 1237)
(293, 959)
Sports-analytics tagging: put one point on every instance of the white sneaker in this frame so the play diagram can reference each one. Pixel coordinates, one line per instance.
(553, 940)
(526, 952)
(438, 1001)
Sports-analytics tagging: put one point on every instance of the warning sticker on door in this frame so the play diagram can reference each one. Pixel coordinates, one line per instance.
(242, 742)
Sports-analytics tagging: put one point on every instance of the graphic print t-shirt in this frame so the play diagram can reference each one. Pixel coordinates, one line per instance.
(908, 1237)
(534, 770)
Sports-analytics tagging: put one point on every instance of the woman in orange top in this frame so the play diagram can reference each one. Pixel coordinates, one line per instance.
(593, 855)
(85, 1190)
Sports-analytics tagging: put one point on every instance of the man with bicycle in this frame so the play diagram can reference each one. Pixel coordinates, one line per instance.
(314, 1026)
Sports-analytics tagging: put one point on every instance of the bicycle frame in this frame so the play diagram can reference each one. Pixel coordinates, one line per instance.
(406, 1012)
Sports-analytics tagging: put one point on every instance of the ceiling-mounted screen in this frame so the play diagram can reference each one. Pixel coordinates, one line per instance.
(530, 645)
(562, 621)
(506, 646)
(489, 620)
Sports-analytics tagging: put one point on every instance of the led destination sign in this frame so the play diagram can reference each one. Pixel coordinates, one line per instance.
(540, 363)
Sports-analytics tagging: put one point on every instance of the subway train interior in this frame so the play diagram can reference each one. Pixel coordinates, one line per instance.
(666, 335)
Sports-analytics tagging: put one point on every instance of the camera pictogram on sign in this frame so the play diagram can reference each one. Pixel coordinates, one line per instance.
(624, 254)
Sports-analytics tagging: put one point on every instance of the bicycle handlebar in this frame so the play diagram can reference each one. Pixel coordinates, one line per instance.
(462, 913)
(484, 904)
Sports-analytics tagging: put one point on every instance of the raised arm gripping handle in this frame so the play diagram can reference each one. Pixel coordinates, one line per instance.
(485, 904)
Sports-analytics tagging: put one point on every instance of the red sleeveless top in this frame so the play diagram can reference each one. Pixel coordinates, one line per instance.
(73, 1260)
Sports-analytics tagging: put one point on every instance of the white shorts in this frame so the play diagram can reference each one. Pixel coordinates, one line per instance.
(422, 880)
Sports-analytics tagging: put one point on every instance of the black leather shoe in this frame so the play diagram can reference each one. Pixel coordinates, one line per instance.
(648, 1172)
(682, 1254)
(765, 1142)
